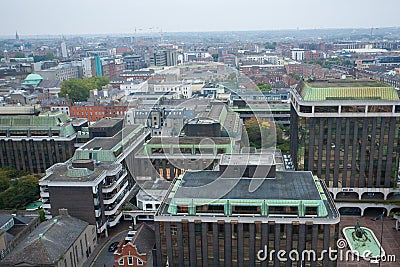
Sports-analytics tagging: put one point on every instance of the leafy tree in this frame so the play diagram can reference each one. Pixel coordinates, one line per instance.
(260, 134)
(42, 215)
(19, 54)
(215, 57)
(264, 87)
(16, 191)
(47, 56)
(78, 89)
(270, 46)
(266, 134)
(127, 54)
(296, 76)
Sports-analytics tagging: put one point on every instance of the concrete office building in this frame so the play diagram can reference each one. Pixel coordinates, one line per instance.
(165, 57)
(346, 133)
(212, 218)
(34, 143)
(161, 121)
(96, 182)
(182, 89)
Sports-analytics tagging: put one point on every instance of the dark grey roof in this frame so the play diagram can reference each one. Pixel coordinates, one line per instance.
(106, 122)
(50, 83)
(58, 236)
(107, 143)
(23, 219)
(288, 185)
(144, 238)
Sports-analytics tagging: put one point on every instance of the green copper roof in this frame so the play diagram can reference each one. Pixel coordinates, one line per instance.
(33, 77)
(347, 91)
(48, 121)
(32, 80)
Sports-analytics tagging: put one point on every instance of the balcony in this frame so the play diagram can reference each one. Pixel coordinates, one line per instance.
(46, 206)
(44, 194)
(114, 220)
(110, 187)
(97, 213)
(112, 210)
(112, 200)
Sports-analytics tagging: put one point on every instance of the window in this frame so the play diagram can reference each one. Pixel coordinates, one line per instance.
(130, 261)
(121, 261)
(139, 262)
(149, 206)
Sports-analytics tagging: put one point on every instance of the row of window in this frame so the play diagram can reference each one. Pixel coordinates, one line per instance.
(129, 260)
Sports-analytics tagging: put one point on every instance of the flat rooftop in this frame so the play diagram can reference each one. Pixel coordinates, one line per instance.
(108, 143)
(106, 122)
(346, 90)
(66, 173)
(287, 185)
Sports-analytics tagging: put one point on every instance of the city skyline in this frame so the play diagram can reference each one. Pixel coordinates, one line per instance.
(99, 17)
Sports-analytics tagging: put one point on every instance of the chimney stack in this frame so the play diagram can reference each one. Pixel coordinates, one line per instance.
(63, 212)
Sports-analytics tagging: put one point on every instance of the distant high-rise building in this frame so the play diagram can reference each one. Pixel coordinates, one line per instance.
(166, 57)
(298, 54)
(98, 66)
(64, 52)
(16, 36)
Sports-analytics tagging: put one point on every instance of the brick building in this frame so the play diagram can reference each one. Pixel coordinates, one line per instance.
(95, 113)
(138, 251)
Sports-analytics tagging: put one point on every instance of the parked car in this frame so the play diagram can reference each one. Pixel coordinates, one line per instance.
(113, 246)
(130, 236)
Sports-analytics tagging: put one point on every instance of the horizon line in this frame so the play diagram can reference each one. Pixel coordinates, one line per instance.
(199, 31)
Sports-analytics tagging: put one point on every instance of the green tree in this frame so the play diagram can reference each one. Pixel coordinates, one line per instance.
(215, 57)
(264, 87)
(19, 54)
(260, 134)
(17, 191)
(78, 89)
(47, 56)
(127, 54)
(42, 215)
(270, 46)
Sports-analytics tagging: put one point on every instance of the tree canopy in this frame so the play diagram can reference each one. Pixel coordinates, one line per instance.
(19, 54)
(266, 134)
(271, 46)
(78, 89)
(47, 56)
(17, 188)
(264, 87)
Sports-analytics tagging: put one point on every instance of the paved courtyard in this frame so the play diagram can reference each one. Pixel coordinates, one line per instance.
(390, 239)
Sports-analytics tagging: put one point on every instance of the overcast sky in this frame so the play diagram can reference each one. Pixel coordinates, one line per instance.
(37, 17)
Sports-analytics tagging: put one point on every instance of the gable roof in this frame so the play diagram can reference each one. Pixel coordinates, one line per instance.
(48, 242)
(144, 239)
